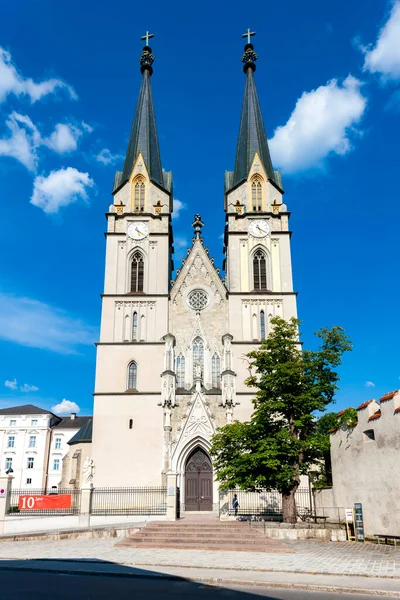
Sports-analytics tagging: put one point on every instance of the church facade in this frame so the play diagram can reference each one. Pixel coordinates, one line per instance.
(171, 360)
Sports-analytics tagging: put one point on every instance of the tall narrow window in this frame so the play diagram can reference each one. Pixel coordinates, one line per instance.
(198, 355)
(139, 196)
(8, 463)
(134, 327)
(216, 371)
(259, 271)
(180, 371)
(32, 441)
(11, 441)
(31, 462)
(132, 376)
(256, 195)
(137, 268)
(262, 325)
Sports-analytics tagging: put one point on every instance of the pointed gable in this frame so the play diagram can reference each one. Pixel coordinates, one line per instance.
(198, 268)
(197, 424)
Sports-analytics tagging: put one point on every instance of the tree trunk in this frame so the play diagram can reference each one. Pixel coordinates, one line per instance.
(289, 511)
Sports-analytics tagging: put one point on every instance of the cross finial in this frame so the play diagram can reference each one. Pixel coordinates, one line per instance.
(147, 37)
(248, 34)
(197, 225)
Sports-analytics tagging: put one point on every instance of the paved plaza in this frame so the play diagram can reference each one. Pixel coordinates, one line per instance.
(342, 558)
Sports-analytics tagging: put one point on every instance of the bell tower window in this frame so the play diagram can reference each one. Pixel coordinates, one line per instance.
(256, 194)
(259, 271)
(137, 272)
(216, 371)
(180, 371)
(139, 192)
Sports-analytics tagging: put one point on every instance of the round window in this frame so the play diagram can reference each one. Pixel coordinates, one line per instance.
(197, 299)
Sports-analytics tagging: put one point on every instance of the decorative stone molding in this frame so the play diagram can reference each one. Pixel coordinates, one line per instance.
(259, 302)
(152, 244)
(122, 244)
(134, 303)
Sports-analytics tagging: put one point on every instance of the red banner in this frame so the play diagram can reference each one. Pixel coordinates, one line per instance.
(51, 502)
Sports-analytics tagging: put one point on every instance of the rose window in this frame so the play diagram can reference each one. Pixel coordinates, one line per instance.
(197, 300)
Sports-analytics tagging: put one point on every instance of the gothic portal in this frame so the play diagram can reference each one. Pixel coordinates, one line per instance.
(170, 366)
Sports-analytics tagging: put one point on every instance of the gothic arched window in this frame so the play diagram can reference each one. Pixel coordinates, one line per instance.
(256, 194)
(137, 269)
(139, 191)
(180, 371)
(198, 354)
(216, 371)
(262, 325)
(132, 376)
(259, 271)
(134, 327)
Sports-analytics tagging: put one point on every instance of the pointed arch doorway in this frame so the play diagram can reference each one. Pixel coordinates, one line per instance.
(198, 481)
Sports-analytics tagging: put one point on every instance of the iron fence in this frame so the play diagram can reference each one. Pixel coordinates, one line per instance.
(27, 503)
(262, 504)
(129, 501)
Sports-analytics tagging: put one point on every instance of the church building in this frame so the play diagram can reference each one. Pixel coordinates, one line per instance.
(171, 360)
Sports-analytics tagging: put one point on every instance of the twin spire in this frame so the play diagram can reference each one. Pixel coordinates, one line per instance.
(252, 137)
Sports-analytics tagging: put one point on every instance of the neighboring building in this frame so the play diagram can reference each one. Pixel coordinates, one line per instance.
(170, 366)
(62, 434)
(80, 448)
(365, 466)
(32, 440)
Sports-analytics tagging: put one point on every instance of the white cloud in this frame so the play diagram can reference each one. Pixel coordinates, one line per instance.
(28, 388)
(11, 384)
(32, 323)
(66, 407)
(25, 139)
(180, 242)
(384, 57)
(319, 125)
(60, 188)
(106, 157)
(22, 142)
(64, 138)
(13, 82)
(178, 207)
(369, 384)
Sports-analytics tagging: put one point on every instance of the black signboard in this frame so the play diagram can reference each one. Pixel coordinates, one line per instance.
(359, 522)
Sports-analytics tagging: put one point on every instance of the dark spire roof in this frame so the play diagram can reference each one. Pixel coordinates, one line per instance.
(252, 136)
(84, 435)
(143, 137)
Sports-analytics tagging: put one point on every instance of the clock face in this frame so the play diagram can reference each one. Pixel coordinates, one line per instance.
(259, 228)
(138, 230)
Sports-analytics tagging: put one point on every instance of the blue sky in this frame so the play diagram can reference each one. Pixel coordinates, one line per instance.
(328, 78)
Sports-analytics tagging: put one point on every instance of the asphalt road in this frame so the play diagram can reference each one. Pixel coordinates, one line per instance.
(47, 586)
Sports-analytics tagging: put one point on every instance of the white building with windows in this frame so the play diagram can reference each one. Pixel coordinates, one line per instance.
(33, 442)
(171, 357)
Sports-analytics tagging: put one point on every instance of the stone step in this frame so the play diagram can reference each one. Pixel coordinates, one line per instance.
(205, 530)
(198, 540)
(131, 543)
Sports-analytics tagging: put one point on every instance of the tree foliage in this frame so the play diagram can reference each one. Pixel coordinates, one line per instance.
(281, 440)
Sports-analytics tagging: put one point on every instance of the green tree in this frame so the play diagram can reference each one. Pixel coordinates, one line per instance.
(281, 440)
(329, 422)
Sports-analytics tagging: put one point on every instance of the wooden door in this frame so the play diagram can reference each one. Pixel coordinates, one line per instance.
(198, 482)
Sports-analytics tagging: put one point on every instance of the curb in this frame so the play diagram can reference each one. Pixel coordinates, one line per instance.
(216, 581)
(250, 570)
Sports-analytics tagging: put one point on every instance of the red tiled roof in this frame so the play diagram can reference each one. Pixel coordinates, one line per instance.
(388, 396)
(397, 410)
(364, 405)
(376, 415)
(333, 430)
(340, 413)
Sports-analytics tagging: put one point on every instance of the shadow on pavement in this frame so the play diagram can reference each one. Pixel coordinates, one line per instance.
(93, 579)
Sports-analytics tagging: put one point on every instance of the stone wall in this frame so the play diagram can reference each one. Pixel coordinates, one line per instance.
(365, 466)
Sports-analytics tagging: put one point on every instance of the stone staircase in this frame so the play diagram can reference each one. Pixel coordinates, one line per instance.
(232, 536)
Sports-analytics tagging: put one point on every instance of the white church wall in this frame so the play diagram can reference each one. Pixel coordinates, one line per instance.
(112, 367)
(117, 319)
(124, 456)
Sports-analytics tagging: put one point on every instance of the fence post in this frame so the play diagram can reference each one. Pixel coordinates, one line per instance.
(171, 495)
(86, 505)
(5, 492)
